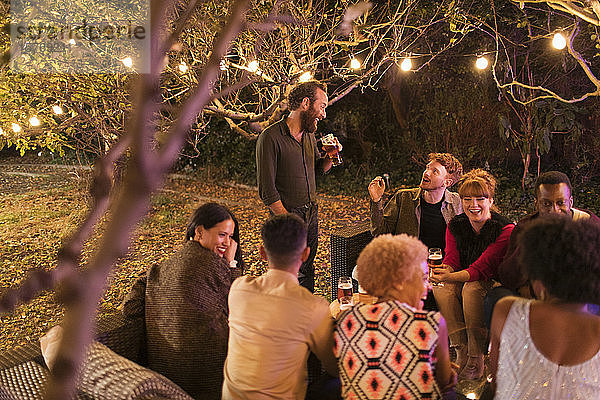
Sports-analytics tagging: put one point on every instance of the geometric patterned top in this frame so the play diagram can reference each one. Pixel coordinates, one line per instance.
(385, 351)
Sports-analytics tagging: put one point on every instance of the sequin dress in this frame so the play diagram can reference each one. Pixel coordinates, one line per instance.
(385, 351)
(524, 373)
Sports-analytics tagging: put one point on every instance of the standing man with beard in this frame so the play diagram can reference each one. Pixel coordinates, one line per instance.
(286, 160)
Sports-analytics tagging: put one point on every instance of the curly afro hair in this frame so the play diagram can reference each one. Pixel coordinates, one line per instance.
(565, 256)
(389, 260)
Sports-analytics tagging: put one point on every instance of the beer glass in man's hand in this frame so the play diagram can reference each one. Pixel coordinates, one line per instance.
(344, 287)
(330, 145)
(435, 261)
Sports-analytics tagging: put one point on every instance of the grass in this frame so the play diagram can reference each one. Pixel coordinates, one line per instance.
(38, 213)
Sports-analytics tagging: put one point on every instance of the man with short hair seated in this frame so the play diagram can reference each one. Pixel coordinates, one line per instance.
(274, 322)
(553, 195)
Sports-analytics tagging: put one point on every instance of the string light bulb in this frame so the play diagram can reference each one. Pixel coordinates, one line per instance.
(183, 68)
(481, 63)
(354, 63)
(128, 62)
(57, 109)
(471, 396)
(72, 42)
(34, 121)
(406, 64)
(223, 65)
(253, 66)
(305, 77)
(558, 41)
(2, 132)
(15, 127)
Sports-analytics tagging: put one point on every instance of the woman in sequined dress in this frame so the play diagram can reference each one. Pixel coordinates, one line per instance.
(549, 348)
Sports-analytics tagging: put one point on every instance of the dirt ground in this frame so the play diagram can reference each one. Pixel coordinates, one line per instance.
(40, 204)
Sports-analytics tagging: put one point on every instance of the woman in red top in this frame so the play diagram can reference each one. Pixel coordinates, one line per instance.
(476, 242)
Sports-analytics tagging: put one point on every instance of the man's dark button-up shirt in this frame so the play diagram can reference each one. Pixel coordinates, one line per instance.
(285, 168)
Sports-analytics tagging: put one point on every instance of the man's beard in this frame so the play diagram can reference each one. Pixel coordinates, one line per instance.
(307, 121)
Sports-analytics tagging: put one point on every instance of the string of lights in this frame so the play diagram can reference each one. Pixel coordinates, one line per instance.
(558, 41)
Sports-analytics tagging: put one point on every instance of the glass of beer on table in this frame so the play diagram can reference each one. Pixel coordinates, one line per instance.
(345, 303)
(434, 260)
(344, 287)
(330, 147)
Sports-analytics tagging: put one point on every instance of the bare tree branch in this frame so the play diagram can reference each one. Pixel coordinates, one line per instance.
(237, 128)
(590, 14)
(145, 174)
(202, 95)
(547, 93)
(179, 26)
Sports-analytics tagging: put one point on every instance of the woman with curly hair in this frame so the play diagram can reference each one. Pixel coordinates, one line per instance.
(476, 242)
(392, 349)
(548, 348)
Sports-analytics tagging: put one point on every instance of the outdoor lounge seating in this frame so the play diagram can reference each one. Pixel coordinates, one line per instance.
(346, 244)
(113, 368)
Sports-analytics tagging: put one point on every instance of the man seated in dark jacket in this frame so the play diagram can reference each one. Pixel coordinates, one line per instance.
(553, 195)
(424, 211)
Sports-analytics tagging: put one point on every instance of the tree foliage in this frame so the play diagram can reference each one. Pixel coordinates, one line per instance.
(288, 41)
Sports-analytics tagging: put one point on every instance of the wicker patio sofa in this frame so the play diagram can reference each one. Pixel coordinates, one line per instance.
(113, 368)
(112, 374)
(346, 244)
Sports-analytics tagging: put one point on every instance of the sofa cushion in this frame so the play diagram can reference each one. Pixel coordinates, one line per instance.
(24, 381)
(5, 394)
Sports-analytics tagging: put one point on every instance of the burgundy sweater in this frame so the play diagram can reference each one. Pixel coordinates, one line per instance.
(486, 265)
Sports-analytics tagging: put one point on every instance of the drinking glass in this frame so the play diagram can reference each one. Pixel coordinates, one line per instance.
(330, 147)
(434, 260)
(345, 303)
(344, 287)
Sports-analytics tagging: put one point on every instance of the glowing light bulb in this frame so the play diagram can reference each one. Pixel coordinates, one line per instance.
(2, 132)
(558, 41)
(406, 64)
(354, 63)
(15, 127)
(72, 42)
(128, 62)
(305, 77)
(34, 121)
(481, 63)
(57, 109)
(223, 65)
(253, 66)
(471, 396)
(183, 68)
